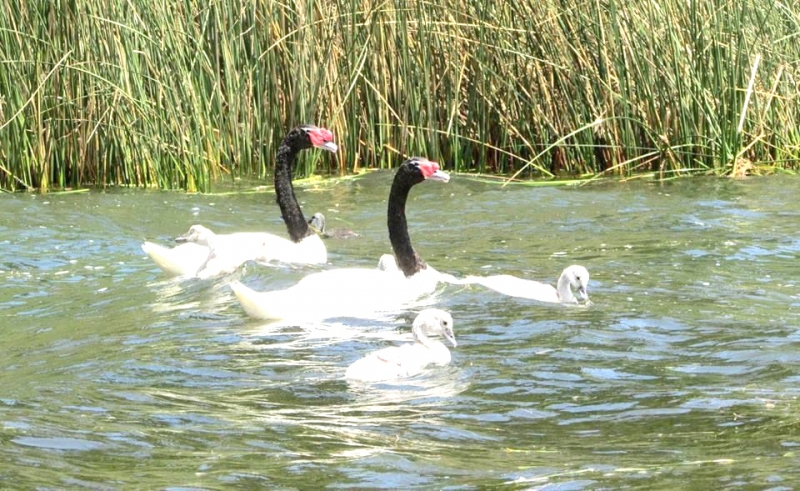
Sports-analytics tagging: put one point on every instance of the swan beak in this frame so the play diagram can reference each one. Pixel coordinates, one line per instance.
(329, 146)
(439, 176)
(583, 293)
(451, 338)
(182, 238)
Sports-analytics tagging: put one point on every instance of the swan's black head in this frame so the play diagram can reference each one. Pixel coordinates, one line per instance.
(308, 135)
(417, 169)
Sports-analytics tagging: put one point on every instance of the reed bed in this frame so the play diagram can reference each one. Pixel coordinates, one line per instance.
(180, 94)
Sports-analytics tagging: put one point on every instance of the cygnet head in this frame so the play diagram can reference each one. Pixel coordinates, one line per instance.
(578, 277)
(431, 322)
(197, 234)
(317, 222)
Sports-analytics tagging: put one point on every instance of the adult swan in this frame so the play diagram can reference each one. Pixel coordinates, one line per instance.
(358, 291)
(194, 256)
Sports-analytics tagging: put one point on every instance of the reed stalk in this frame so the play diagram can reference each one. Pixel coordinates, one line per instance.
(182, 94)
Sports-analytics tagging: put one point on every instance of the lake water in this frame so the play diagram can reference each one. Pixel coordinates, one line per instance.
(684, 374)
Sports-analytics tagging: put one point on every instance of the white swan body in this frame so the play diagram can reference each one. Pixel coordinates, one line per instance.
(358, 291)
(211, 255)
(344, 292)
(310, 250)
(204, 254)
(409, 359)
(574, 276)
(196, 258)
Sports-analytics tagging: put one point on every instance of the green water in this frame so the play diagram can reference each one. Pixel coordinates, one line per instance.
(684, 373)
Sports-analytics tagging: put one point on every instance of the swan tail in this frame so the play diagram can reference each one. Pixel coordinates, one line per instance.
(252, 302)
(172, 261)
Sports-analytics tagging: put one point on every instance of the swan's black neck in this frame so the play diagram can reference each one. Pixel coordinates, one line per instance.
(407, 259)
(284, 191)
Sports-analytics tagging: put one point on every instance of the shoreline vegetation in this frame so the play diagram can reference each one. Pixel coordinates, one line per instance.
(184, 94)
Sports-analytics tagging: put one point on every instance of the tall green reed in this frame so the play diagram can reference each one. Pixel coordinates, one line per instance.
(182, 94)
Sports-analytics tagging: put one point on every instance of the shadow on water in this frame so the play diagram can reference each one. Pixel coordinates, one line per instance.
(685, 369)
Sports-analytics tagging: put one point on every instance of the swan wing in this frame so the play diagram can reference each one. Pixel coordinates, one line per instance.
(388, 364)
(266, 247)
(403, 355)
(272, 248)
(398, 362)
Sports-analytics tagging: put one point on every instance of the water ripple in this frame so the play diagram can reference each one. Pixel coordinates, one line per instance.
(685, 369)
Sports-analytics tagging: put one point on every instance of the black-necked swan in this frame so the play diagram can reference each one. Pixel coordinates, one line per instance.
(358, 291)
(233, 250)
(319, 225)
(574, 277)
(409, 359)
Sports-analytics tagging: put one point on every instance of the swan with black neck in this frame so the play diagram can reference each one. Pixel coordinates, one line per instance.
(193, 257)
(358, 291)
